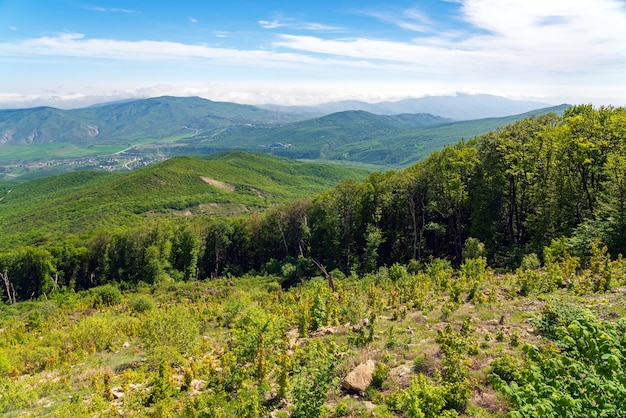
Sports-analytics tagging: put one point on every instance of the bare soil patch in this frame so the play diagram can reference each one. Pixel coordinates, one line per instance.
(218, 184)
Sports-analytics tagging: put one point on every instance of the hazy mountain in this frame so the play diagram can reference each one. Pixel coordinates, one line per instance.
(147, 118)
(127, 135)
(459, 107)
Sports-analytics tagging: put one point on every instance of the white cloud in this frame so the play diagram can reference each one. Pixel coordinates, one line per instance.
(193, 20)
(298, 25)
(561, 49)
(76, 45)
(549, 40)
(114, 10)
(509, 38)
(412, 19)
(271, 24)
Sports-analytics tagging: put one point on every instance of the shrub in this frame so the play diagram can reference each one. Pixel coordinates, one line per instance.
(473, 248)
(5, 364)
(423, 399)
(107, 295)
(380, 374)
(583, 377)
(318, 312)
(397, 273)
(176, 327)
(15, 395)
(506, 368)
(530, 262)
(142, 303)
(313, 380)
(167, 355)
(95, 333)
(161, 386)
(310, 390)
(554, 315)
(440, 272)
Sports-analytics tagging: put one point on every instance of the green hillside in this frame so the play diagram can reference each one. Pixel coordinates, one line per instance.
(358, 136)
(124, 123)
(235, 182)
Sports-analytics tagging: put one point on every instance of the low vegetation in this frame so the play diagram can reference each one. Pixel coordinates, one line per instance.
(248, 347)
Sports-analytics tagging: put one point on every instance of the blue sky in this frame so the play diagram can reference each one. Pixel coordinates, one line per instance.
(71, 53)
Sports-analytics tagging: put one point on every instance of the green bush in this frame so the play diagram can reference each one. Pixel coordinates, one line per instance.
(95, 333)
(473, 248)
(398, 272)
(107, 295)
(161, 387)
(530, 262)
(506, 368)
(583, 377)
(314, 378)
(5, 363)
(177, 327)
(423, 399)
(142, 303)
(15, 395)
(380, 374)
(554, 315)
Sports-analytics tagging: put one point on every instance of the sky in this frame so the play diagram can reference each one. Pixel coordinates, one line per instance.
(73, 53)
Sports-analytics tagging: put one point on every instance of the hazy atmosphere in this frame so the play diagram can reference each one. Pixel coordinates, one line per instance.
(72, 53)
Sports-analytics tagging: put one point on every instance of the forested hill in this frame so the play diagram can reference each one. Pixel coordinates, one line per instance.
(227, 183)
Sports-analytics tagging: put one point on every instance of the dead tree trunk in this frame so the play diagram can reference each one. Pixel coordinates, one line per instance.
(329, 276)
(8, 286)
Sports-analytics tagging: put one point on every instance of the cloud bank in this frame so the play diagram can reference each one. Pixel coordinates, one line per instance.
(506, 44)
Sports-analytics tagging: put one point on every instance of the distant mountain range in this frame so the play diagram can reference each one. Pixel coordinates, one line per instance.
(458, 107)
(130, 120)
(129, 134)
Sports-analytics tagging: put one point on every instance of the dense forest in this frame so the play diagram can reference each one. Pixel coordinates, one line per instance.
(503, 247)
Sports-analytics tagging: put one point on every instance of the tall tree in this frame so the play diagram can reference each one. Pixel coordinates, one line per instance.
(450, 171)
(218, 240)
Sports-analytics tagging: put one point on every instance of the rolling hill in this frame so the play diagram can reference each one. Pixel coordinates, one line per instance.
(356, 136)
(127, 135)
(226, 183)
(127, 122)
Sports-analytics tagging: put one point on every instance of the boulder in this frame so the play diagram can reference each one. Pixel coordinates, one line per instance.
(117, 393)
(360, 378)
(324, 331)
